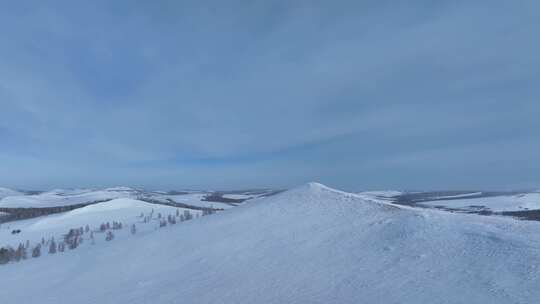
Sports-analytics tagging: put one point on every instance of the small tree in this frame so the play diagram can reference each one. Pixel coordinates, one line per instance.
(72, 239)
(110, 236)
(133, 229)
(36, 252)
(61, 247)
(6, 254)
(52, 247)
(23, 253)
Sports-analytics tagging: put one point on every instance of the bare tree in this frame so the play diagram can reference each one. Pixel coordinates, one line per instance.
(110, 236)
(23, 253)
(36, 252)
(19, 253)
(73, 238)
(6, 255)
(61, 247)
(52, 247)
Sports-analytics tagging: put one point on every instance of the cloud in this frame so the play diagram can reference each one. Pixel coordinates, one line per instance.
(145, 93)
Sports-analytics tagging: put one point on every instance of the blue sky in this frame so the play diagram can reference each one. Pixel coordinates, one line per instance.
(236, 94)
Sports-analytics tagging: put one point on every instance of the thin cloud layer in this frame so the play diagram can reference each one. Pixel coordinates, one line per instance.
(227, 95)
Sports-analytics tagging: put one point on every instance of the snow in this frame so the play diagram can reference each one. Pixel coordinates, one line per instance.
(530, 201)
(66, 197)
(196, 199)
(57, 198)
(237, 196)
(5, 192)
(383, 194)
(121, 189)
(311, 244)
(458, 195)
(123, 210)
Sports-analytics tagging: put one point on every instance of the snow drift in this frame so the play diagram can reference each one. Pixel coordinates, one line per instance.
(311, 244)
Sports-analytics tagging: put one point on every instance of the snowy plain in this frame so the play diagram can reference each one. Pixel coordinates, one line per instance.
(525, 201)
(311, 244)
(56, 198)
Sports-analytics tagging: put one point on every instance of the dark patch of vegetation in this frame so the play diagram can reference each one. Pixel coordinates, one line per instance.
(32, 192)
(177, 193)
(529, 215)
(218, 198)
(170, 202)
(410, 199)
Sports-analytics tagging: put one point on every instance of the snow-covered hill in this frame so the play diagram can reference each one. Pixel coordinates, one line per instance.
(124, 210)
(311, 244)
(462, 201)
(56, 198)
(63, 197)
(5, 192)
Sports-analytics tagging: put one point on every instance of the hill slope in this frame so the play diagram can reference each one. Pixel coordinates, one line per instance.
(311, 244)
(5, 192)
(123, 210)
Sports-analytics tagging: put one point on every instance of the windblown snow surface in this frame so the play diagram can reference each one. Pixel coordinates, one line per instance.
(311, 244)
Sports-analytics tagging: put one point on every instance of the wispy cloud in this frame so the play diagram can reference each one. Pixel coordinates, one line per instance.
(268, 93)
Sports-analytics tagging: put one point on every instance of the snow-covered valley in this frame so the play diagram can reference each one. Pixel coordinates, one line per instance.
(311, 244)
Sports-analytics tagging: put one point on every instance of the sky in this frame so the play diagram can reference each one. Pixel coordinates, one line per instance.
(358, 95)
